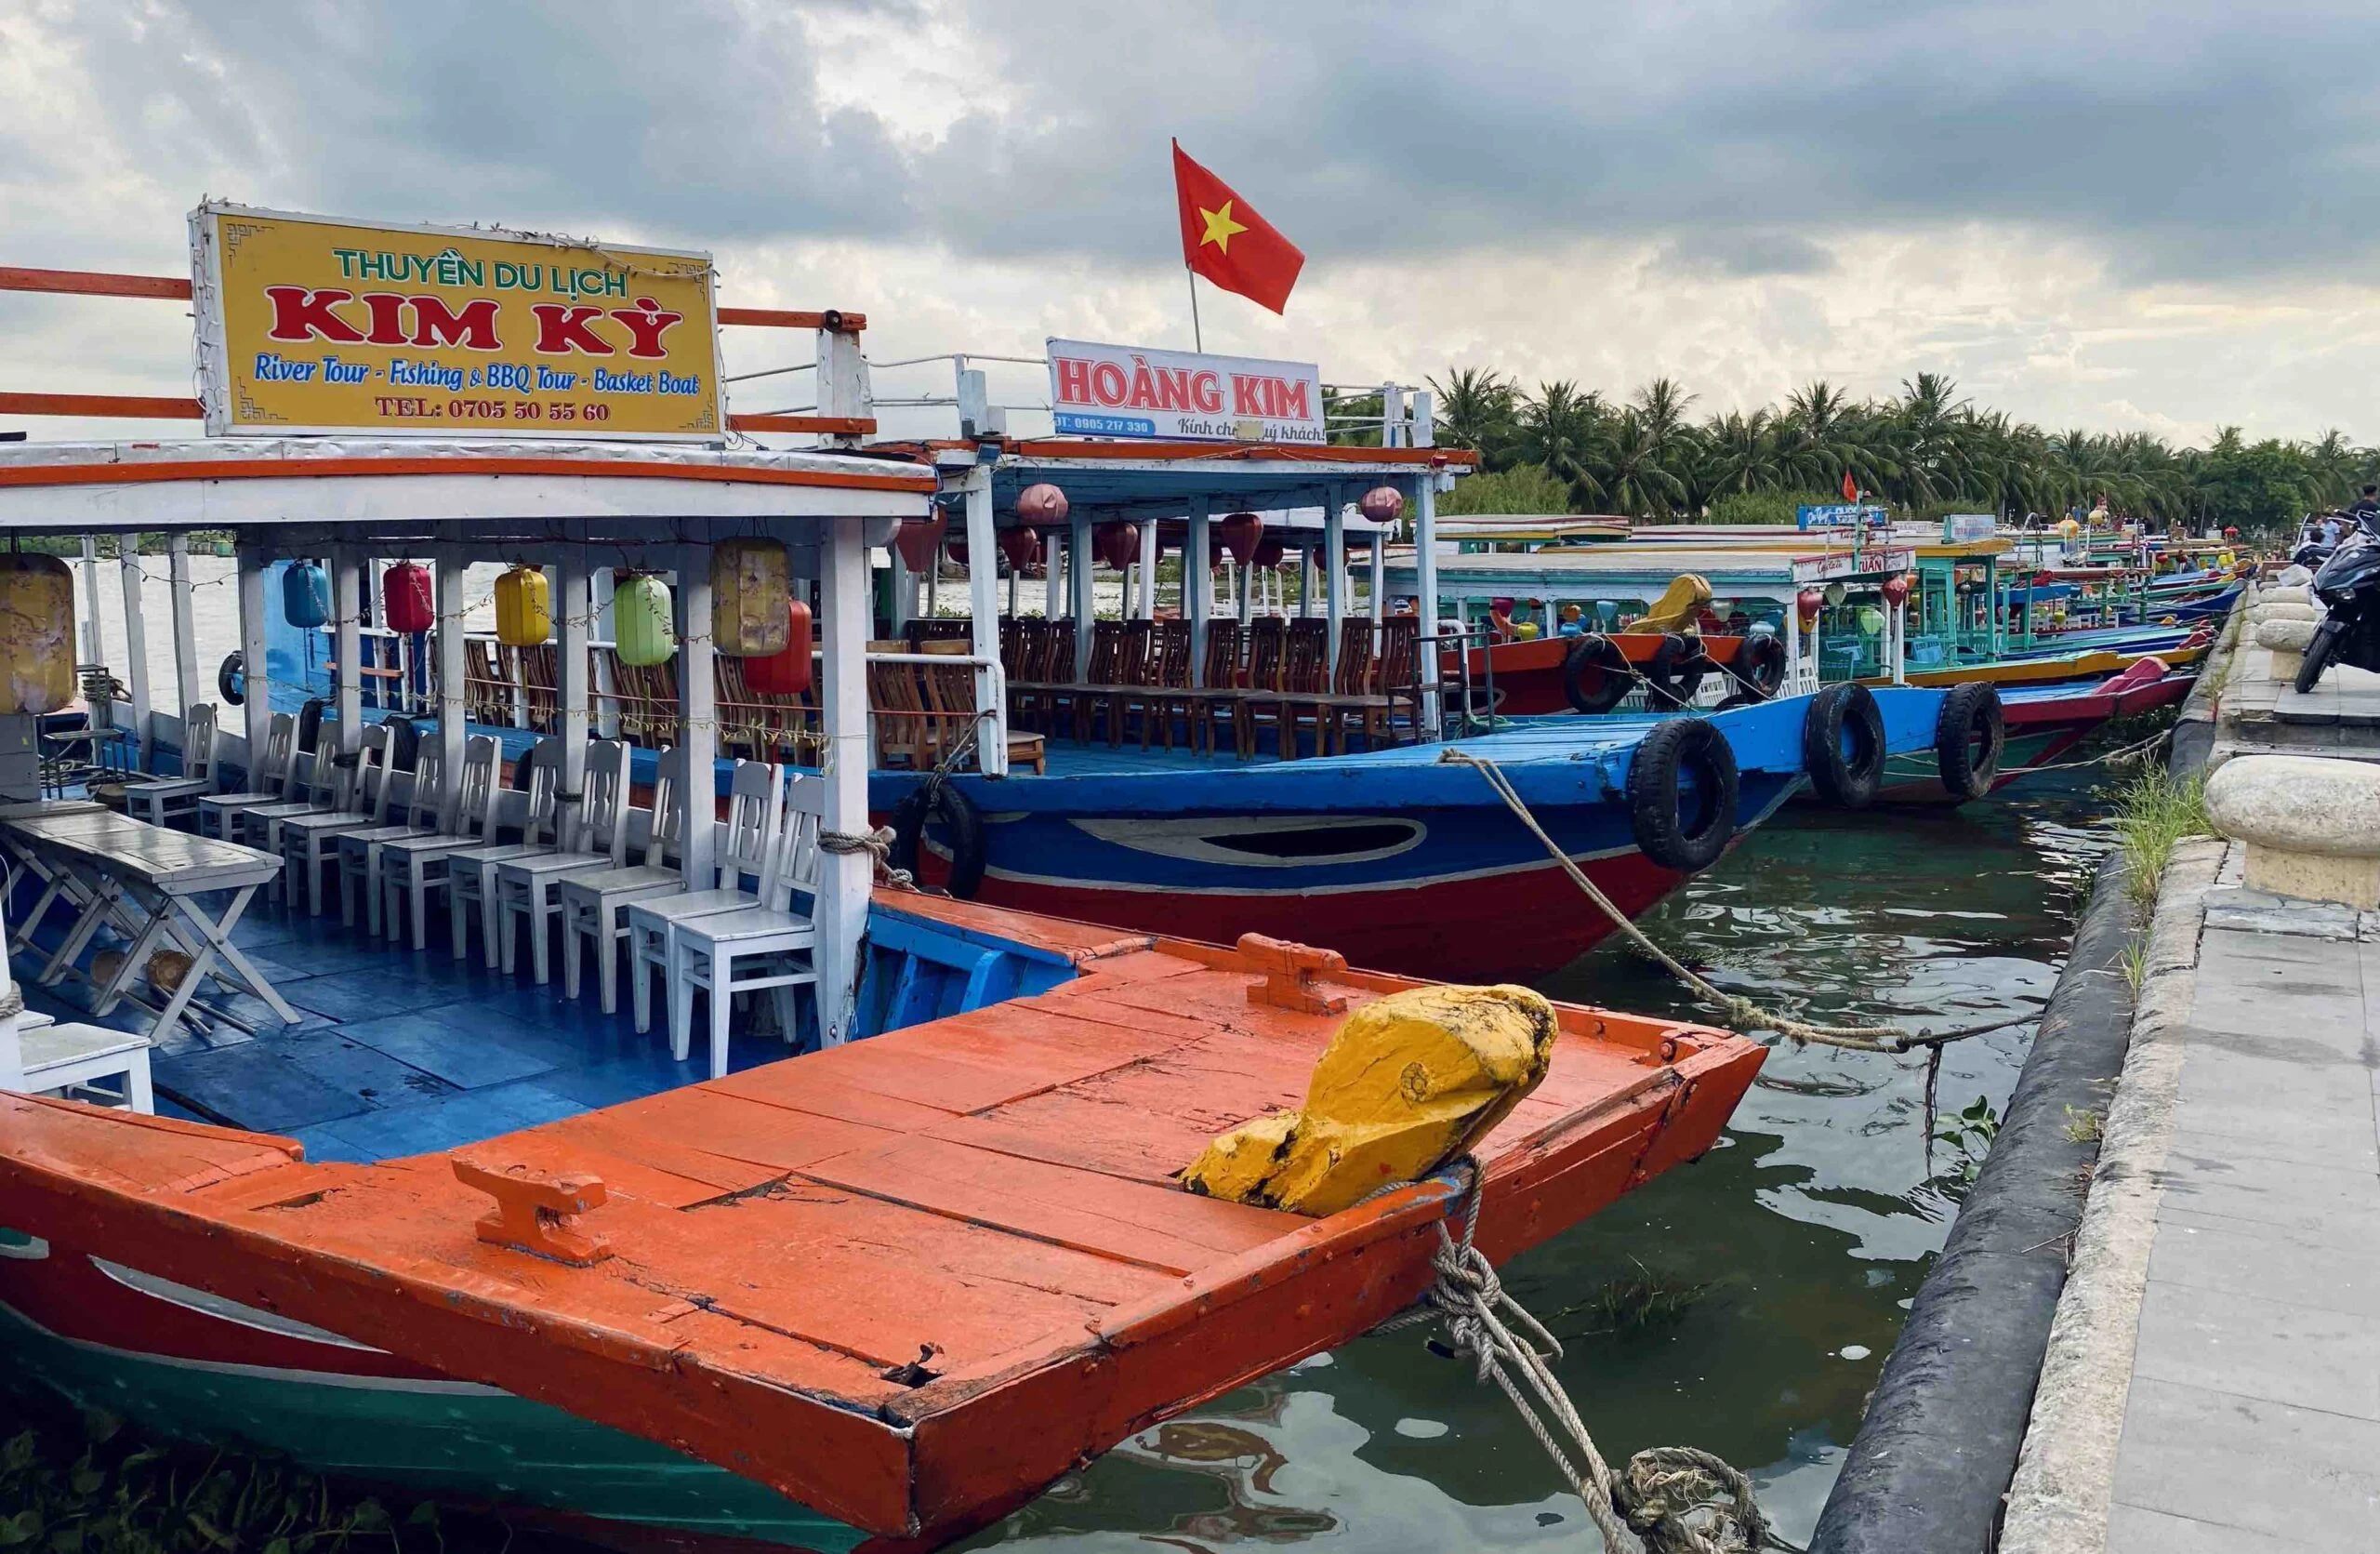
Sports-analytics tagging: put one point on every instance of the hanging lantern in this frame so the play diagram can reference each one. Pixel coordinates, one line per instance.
(1021, 546)
(641, 619)
(407, 603)
(1836, 593)
(1042, 503)
(1269, 553)
(1383, 504)
(750, 581)
(787, 673)
(1807, 603)
(36, 635)
(1239, 533)
(1872, 621)
(1897, 590)
(917, 538)
(955, 544)
(305, 595)
(524, 616)
(1119, 544)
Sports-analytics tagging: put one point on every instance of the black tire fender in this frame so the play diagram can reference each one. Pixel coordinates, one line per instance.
(961, 825)
(1677, 671)
(231, 679)
(1595, 675)
(1970, 734)
(1674, 828)
(1837, 715)
(1759, 666)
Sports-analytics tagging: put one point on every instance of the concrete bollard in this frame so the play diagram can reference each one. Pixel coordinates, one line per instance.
(2288, 641)
(2279, 594)
(2312, 824)
(2282, 610)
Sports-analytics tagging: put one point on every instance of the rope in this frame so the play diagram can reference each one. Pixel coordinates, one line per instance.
(1670, 1500)
(877, 844)
(1738, 1011)
(2129, 755)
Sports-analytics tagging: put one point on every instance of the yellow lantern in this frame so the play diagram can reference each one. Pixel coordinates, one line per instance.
(641, 619)
(523, 609)
(751, 581)
(36, 635)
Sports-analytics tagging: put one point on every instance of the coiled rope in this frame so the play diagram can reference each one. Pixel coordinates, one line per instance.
(1736, 1010)
(1669, 1500)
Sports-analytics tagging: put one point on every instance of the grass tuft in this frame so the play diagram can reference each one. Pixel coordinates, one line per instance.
(2153, 812)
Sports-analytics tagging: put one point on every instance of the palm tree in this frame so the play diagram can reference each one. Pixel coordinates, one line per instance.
(1641, 483)
(1562, 427)
(1741, 453)
(1476, 410)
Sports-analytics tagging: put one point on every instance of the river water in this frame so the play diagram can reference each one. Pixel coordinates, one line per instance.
(1743, 1304)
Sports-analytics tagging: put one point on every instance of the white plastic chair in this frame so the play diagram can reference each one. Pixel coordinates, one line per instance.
(756, 794)
(773, 939)
(272, 779)
(323, 792)
(161, 800)
(422, 817)
(39, 1056)
(308, 841)
(470, 872)
(415, 867)
(524, 886)
(593, 902)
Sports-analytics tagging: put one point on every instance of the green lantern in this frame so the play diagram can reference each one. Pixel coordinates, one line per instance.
(641, 619)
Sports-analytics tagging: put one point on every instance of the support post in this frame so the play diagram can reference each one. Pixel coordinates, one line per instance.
(257, 684)
(1380, 573)
(447, 564)
(187, 673)
(1425, 577)
(845, 878)
(1197, 587)
(93, 643)
(1248, 590)
(1305, 579)
(572, 614)
(136, 651)
(1053, 601)
(982, 583)
(347, 642)
(698, 707)
(1148, 569)
(1334, 561)
(905, 591)
(1084, 602)
(602, 581)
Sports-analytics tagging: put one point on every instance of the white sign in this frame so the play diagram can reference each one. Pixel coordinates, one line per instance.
(1119, 390)
(1962, 528)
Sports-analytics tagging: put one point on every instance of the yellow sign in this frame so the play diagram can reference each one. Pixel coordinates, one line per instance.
(307, 325)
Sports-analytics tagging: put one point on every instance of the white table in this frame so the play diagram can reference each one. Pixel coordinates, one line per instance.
(147, 879)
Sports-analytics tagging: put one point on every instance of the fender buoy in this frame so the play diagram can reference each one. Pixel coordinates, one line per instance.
(1842, 745)
(309, 725)
(1969, 735)
(1677, 668)
(231, 679)
(961, 825)
(1759, 666)
(1595, 675)
(1675, 828)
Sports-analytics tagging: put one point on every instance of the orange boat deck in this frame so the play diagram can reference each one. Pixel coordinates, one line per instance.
(996, 1186)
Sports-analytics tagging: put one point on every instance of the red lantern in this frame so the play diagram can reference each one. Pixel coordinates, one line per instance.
(406, 602)
(1897, 590)
(1022, 545)
(917, 538)
(1269, 553)
(786, 674)
(955, 543)
(1041, 503)
(1807, 602)
(1383, 504)
(1119, 544)
(1239, 533)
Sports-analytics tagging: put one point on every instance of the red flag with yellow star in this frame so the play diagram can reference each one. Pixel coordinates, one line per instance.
(1223, 239)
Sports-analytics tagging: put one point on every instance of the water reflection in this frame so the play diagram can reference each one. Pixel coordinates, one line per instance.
(1743, 1304)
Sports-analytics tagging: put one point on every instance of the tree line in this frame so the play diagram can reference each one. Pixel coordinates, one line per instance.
(1564, 449)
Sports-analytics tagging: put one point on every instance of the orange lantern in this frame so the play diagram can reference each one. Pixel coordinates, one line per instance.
(786, 674)
(1239, 533)
(917, 538)
(1041, 503)
(1119, 544)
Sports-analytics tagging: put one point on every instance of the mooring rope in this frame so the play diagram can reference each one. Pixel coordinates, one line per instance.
(1669, 1500)
(1738, 1011)
(2129, 755)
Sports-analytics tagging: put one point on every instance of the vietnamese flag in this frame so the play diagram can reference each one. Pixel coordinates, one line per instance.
(1850, 487)
(1223, 239)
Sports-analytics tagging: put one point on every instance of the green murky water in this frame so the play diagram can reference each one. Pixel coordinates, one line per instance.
(1743, 1304)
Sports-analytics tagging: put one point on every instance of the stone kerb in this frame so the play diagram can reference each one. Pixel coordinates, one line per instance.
(2311, 825)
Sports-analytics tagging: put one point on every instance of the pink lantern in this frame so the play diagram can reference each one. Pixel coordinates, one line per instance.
(1119, 544)
(1239, 533)
(1023, 546)
(917, 538)
(1041, 503)
(1897, 590)
(1807, 602)
(1383, 504)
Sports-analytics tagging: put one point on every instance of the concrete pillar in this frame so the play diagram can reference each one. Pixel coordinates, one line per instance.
(136, 651)
(845, 878)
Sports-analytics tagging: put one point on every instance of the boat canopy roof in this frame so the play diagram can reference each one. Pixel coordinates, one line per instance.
(1532, 527)
(463, 489)
(1138, 479)
(1643, 571)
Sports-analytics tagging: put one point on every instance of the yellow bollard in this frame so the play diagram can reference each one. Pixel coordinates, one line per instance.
(1409, 1083)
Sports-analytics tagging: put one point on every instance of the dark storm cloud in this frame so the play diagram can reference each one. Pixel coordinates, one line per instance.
(2192, 141)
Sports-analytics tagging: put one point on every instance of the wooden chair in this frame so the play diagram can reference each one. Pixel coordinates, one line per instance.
(540, 669)
(1169, 681)
(594, 903)
(1395, 684)
(756, 798)
(950, 693)
(1054, 697)
(311, 842)
(526, 887)
(272, 779)
(470, 871)
(775, 936)
(413, 868)
(897, 709)
(1217, 697)
(1088, 694)
(1350, 683)
(161, 800)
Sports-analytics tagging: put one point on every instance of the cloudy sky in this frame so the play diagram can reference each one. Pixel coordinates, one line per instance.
(2107, 215)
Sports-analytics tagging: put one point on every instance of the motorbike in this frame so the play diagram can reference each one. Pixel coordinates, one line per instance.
(2347, 582)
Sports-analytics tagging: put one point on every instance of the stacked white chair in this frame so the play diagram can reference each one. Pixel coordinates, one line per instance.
(413, 868)
(470, 872)
(308, 842)
(272, 779)
(161, 800)
(524, 886)
(767, 946)
(756, 794)
(356, 878)
(594, 903)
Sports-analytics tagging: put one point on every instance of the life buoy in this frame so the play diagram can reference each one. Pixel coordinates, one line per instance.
(1678, 828)
(1595, 675)
(1969, 735)
(1759, 666)
(1842, 745)
(959, 830)
(1677, 668)
(231, 678)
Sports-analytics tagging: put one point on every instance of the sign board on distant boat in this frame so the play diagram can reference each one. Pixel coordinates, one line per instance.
(307, 325)
(1120, 391)
(1961, 528)
(1840, 515)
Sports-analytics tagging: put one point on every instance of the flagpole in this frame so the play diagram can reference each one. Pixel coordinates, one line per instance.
(1197, 339)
